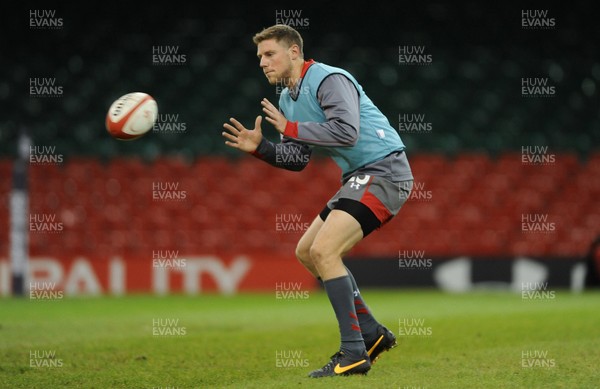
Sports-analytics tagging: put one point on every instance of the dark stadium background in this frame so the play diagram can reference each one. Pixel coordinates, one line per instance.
(475, 188)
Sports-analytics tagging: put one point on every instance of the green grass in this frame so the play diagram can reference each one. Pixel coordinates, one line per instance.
(476, 341)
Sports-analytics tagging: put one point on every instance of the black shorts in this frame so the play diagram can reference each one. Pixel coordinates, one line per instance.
(371, 200)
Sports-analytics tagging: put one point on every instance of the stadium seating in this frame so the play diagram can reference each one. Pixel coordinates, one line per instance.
(473, 188)
(470, 204)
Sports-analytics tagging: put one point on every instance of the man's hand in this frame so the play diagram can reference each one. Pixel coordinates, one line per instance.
(273, 116)
(240, 137)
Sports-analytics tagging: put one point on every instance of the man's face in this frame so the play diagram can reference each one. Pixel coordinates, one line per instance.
(275, 61)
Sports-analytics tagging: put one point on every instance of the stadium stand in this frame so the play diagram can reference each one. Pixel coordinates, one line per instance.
(474, 188)
(468, 205)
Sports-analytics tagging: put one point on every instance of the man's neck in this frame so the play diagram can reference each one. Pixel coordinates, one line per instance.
(297, 70)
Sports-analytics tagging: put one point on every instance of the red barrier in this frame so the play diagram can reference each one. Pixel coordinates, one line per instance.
(167, 272)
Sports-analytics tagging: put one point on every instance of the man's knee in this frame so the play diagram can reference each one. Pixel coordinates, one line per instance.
(303, 253)
(313, 253)
(320, 252)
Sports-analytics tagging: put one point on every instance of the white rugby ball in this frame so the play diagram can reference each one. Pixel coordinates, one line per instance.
(131, 116)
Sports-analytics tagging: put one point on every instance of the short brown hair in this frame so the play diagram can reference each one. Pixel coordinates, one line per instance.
(280, 32)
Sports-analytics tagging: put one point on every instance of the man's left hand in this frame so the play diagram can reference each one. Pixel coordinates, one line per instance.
(273, 116)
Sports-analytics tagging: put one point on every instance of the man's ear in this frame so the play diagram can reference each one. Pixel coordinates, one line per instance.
(295, 50)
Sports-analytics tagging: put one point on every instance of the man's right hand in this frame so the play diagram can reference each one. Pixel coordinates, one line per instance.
(239, 137)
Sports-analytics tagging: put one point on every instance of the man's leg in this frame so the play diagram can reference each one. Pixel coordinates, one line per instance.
(368, 325)
(303, 247)
(323, 245)
(376, 336)
(362, 205)
(338, 234)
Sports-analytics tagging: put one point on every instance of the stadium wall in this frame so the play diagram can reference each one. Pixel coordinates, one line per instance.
(189, 275)
(177, 226)
(268, 273)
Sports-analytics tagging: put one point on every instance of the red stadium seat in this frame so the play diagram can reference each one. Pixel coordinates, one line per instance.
(466, 205)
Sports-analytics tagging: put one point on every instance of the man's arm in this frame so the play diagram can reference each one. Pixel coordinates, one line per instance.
(339, 100)
(287, 155)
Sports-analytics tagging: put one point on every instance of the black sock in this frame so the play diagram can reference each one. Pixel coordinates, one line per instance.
(368, 324)
(339, 291)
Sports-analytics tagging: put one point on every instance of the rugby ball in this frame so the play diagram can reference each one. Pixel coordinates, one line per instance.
(131, 116)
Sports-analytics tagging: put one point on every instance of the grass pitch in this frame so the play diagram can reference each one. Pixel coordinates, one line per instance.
(479, 340)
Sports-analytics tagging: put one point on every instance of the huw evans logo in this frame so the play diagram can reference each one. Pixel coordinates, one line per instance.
(45, 223)
(44, 291)
(44, 358)
(169, 123)
(167, 327)
(167, 191)
(418, 193)
(44, 155)
(537, 87)
(290, 358)
(289, 154)
(537, 155)
(290, 291)
(168, 55)
(413, 124)
(413, 55)
(290, 222)
(537, 19)
(167, 259)
(282, 82)
(413, 259)
(536, 358)
(44, 19)
(292, 18)
(537, 223)
(413, 327)
(536, 291)
(44, 87)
